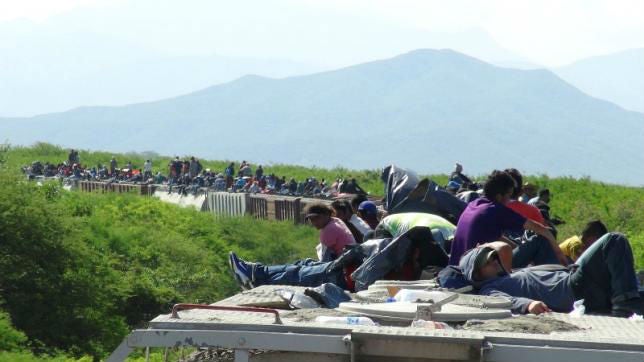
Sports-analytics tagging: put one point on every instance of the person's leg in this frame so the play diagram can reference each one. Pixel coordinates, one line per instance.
(432, 254)
(305, 274)
(606, 274)
(534, 250)
(305, 262)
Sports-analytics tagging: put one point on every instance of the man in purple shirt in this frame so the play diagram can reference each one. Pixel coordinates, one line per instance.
(487, 218)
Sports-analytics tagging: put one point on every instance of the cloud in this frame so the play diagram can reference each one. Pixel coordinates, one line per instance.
(547, 32)
(39, 10)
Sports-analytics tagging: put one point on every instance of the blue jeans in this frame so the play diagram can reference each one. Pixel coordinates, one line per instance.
(305, 273)
(534, 250)
(604, 274)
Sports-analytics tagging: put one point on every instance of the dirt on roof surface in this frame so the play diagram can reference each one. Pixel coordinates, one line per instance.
(521, 324)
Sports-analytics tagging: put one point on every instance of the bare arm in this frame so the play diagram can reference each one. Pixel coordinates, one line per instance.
(508, 241)
(546, 233)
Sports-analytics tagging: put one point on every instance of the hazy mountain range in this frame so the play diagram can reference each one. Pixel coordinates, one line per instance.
(618, 77)
(58, 65)
(55, 66)
(56, 72)
(425, 109)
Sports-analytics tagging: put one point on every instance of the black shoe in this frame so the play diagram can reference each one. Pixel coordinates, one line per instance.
(628, 307)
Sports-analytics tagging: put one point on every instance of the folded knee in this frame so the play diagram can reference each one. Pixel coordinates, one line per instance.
(616, 238)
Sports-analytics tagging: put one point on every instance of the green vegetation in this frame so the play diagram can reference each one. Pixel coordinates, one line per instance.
(578, 201)
(81, 270)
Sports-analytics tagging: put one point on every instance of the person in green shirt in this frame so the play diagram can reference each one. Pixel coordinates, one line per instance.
(397, 224)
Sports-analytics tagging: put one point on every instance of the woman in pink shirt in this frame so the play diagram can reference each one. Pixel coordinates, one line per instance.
(334, 234)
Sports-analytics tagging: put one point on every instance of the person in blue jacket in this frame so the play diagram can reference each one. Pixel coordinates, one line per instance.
(603, 276)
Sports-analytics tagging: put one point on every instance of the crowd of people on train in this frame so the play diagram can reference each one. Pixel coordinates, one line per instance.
(72, 168)
(496, 236)
(190, 174)
(501, 241)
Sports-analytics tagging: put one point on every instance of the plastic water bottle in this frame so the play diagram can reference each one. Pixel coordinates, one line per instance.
(352, 321)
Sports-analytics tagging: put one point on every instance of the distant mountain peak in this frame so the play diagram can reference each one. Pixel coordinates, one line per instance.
(425, 109)
(435, 53)
(616, 77)
(252, 77)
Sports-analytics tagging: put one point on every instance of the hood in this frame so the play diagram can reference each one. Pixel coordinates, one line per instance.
(468, 262)
(452, 278)
(399, 183)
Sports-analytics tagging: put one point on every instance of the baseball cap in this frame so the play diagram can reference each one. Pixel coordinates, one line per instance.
(484, 256)
(453, 185)
(368, 207)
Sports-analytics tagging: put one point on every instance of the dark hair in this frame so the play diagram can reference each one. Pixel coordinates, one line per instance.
(544, 192)
(318, 208)
(498, 183)
(343, 205)
(357, 200)
(594, 229)
(518, 180)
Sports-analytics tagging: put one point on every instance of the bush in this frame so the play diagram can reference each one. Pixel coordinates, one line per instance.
(11, 340)
(56, 287)
(80, 270)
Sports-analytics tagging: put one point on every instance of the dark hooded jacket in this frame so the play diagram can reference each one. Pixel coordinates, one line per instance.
(404, 192)
(522, 287)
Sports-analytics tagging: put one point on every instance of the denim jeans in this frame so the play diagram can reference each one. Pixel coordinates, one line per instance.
(305, 273)
(534, 250)
(604, 274)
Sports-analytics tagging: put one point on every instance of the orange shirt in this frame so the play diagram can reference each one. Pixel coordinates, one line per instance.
(528, 211)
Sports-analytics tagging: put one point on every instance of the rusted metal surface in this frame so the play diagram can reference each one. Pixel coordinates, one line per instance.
(258, 206)
(222, 203)
(98, 186)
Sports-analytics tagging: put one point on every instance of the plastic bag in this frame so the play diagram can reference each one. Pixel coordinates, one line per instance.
(328, 295)
(636, 318)
(297, 300)
(578, 309)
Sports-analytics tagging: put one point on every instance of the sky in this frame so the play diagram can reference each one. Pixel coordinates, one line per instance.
(342, 32)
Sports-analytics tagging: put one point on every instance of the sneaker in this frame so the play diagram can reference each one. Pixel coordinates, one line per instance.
(628, 307)
(242, 271)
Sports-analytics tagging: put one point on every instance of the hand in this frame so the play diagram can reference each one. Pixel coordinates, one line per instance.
(538, 307)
